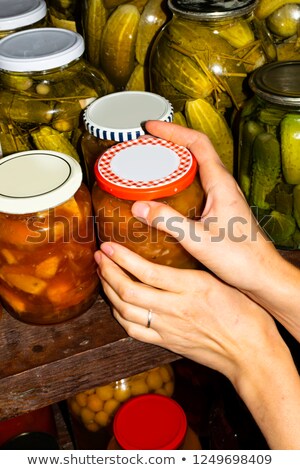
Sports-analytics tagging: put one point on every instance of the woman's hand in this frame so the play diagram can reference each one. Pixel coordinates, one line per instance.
(227, 239)
(195, 315)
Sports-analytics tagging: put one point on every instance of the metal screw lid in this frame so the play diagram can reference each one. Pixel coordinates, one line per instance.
(278, 83)
(211, 9)
(37, 180)
(19, 13)
(120, 116)
(40, 49)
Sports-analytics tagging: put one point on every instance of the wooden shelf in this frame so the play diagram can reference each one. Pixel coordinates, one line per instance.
(42, 365)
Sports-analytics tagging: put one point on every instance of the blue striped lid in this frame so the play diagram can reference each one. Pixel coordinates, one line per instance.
(120, 116)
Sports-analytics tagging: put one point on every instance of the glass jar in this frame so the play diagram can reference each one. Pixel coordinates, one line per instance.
(281, 21)
(152, 422)
(93, 410)
(20, 15)
(41, 420)
(65, 14)
(200, 61)
(146, 169)
(119, 35)
(107, 122)
(47, 243)
(46, 84)
(269, 149)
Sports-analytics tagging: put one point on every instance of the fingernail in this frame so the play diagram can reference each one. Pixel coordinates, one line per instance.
(107, 249)
(141, 210)
(97, 257)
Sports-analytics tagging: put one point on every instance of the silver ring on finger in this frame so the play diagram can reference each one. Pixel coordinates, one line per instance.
(149, 318)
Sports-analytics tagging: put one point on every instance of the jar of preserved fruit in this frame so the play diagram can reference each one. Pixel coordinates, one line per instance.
(107, 122)
(281, 20)
(146, 169)
(269, 149)
(152, 422)
(65, 14)
(119, 35)
(47, 243)
(25, 14)
(93, 410)
(46, 84)
(200, 61)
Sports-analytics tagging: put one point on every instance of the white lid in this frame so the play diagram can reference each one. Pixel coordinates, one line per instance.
(15, 14)
(40, 49)
(37, 180)
(119, 116)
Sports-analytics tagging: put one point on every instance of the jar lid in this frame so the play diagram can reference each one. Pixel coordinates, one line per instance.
(109, 118)
(278, 83)
(32, 441)
(145, 169)
(40, 49)
(211, 9)
(37, 180)
(150, 421)
(16, 14)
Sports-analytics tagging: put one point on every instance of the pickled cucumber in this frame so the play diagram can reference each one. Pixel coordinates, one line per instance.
(250, 131)
(290, 148)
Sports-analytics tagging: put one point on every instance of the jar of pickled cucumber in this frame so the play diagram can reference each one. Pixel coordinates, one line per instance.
(92, 411)
(25, 14)
(107, 122)
(269, 149)
(119, 35)
(281, 21)
(200, 62)
(152, 422)
(47, 243)
(146, 169)
(65, 14)
(46, 84)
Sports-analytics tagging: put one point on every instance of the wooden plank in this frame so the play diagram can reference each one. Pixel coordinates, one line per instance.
(42, 365)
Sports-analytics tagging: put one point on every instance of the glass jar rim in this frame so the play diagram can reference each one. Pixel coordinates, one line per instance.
(278, 83)
(207, 11)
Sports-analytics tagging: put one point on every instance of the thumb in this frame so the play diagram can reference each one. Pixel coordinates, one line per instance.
(163, 217)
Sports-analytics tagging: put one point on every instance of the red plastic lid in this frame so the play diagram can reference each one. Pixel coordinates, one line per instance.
(145, 169)
(150, 421)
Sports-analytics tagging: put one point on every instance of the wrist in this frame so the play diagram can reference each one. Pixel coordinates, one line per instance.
(269, 385)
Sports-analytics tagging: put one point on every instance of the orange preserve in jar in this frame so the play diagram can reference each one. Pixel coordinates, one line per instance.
(148, 168)
(47, 269)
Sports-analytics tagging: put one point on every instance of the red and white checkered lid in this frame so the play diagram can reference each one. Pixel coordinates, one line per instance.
(145, 169)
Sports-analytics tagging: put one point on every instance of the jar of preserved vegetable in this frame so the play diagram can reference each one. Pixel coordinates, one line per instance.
(46, 84)
(269, 149)
(119, 35)
(20, 15)
(152, 422)
(146, 169)
(281, 20)
(65, 14)
(200, 61)
(107, 122)
(93, 410)
(47, 243)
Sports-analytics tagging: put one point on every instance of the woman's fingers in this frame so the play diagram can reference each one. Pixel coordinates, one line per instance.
(211, 168)
(164, 278)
